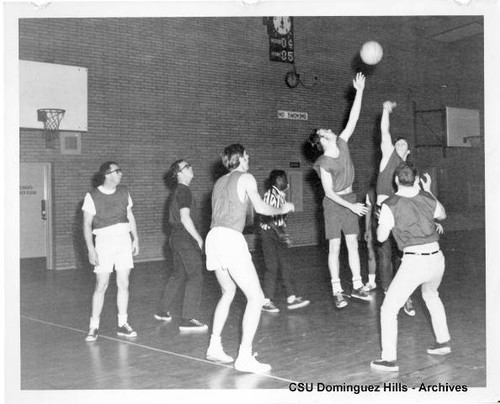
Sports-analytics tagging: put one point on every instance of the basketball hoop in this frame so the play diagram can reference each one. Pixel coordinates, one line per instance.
(51, 118)
(474, 141)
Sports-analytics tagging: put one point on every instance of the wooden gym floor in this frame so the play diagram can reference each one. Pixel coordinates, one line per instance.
(314, 344)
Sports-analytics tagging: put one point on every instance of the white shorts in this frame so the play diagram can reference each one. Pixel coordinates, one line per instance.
(113, 251)
(227, 249)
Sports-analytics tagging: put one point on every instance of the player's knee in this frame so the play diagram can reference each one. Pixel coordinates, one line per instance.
(352, 241)
(101, 286)
(429, 295)
(228, 292)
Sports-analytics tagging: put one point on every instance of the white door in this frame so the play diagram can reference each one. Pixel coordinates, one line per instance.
(35, 211)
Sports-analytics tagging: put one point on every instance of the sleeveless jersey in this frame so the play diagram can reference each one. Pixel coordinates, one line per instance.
(227, 209)
(340, 168)
(413, 219)
(110, 209)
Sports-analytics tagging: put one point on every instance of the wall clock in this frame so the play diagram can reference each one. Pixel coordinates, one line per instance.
(282, 25)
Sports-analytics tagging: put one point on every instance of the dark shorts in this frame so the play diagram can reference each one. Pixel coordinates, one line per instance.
(339, 219)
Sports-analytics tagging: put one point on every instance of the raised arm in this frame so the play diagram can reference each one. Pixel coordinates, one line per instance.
(359, 85)
(248, 185)
(386, 145)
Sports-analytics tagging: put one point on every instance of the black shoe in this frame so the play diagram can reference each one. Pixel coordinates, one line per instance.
(386, 366)
(162, 316)
(442, 348)
(192, 325)
(360, 294)
(126, 331)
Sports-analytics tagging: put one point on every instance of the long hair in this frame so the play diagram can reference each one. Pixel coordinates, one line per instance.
(232, 155)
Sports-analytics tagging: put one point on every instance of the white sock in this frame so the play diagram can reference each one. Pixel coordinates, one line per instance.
(215, 340)
(122, 319)
(290, 299)
(371, 279)
(356, 282)
(94, 322)
(245, 351)
(336, 287)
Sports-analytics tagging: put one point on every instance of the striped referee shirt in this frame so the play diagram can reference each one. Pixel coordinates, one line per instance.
(276, 199)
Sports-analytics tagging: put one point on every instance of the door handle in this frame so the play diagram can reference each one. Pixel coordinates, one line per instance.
(44, 210)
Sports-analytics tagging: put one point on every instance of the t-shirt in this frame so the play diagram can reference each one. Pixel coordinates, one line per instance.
(340, 168)
(182, 198)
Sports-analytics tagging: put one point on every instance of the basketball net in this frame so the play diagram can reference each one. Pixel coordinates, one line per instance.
(51, 118)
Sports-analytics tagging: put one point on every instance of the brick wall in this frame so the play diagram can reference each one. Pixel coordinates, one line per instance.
(159, 91)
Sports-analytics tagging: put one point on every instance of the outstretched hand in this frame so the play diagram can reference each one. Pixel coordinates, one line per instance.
(426, 184)
(389, 106)
(359, 82)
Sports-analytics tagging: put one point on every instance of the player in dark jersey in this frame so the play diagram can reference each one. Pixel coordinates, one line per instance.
(409, 215)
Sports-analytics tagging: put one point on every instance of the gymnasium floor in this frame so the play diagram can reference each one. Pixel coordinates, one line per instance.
(314, 344)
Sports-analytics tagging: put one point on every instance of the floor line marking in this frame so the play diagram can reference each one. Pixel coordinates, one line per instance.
(152, 348)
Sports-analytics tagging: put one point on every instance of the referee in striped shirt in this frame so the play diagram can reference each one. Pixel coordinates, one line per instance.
(275, 243)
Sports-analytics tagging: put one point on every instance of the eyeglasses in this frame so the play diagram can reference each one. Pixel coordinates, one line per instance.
(118, 171)
(186, 166)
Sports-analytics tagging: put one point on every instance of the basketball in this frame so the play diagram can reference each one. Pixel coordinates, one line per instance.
(371, 53)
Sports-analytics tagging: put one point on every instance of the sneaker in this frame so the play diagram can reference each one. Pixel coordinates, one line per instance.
(251, 365)
(192, 325)
(162, 316)
(442, 348)
(126, 331)
(369, 286)
(387, 366)
(340, 302)
(92, 335)
(217, 354)
(297, 303)
(270, 307)
(408, 308)
(360, 294)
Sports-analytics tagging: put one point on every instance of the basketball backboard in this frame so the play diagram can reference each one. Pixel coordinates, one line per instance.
(48, 85)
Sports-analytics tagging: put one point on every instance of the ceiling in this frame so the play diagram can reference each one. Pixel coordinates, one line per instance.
(447, 29)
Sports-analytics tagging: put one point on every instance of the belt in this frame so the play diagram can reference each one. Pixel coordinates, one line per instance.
(421, 253)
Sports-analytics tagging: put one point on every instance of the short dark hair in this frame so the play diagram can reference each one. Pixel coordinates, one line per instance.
(232, 155)
(174, 169)
(279, 179)
(314, 139)
(406, 174)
